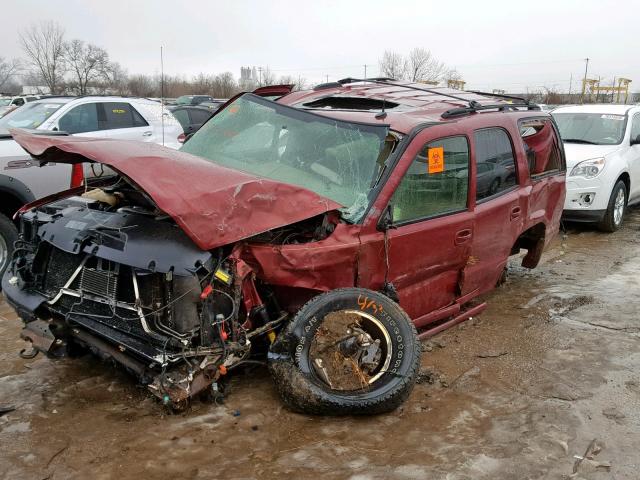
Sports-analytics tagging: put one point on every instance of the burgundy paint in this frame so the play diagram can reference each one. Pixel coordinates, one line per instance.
(214, 205)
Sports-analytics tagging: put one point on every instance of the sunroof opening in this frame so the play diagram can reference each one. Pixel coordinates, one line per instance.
(350, 103)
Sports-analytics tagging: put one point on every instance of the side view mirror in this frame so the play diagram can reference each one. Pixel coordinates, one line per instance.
(636, 140)
(386, 219)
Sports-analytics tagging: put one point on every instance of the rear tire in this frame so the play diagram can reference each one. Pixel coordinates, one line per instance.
(613, 217)
(307, 387)
(8, 235)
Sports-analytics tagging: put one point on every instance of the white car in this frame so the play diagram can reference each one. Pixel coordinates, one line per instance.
(9, 104)
(602, 147)
(23, 181)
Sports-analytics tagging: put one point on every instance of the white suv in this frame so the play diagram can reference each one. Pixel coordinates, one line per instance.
(602, 146)
(21, 179)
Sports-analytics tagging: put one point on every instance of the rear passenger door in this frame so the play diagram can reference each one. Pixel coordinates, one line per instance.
(498, 210)
(432, 225)
(123, 122)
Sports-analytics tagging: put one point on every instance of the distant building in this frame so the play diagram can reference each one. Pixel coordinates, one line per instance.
(248, 74)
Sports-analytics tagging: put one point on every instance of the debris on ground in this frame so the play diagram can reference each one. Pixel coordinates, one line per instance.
(6, 409)
(492, 354)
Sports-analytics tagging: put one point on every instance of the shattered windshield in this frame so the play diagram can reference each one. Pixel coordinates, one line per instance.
(338, 160)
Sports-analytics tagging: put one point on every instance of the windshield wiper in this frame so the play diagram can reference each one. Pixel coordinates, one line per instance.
(579, 140)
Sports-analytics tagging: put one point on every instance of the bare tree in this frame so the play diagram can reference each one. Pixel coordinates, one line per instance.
(267, 77)
(86, 62)
(43, 44)
(392, 65)
(225, 85)
(141, 86)
(8, 68)
(114, 80)
(298, 83)
(424, 67)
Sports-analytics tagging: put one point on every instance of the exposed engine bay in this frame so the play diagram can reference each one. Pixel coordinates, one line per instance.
(106, 270)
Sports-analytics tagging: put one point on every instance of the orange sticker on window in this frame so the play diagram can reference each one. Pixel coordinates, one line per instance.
(436, 159)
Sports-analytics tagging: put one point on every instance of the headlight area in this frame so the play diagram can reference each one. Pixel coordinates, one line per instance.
(589, 168)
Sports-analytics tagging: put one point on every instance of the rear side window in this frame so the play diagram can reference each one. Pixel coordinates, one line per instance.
(80, 119)
(121, 115)
(635, 128)
(200, 116)
(436, 182)
(183, 117)
(495, 162)
(541, 146)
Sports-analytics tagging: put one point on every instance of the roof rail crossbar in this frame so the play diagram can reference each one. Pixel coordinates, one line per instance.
(385, 81)
(500, 95)
(502, 107)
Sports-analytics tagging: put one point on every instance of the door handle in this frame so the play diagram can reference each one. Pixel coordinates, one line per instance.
(147, 134)
(463, 236)
(515, 212)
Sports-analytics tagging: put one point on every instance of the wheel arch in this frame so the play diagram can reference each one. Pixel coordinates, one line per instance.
(532, 240)
(13, 195)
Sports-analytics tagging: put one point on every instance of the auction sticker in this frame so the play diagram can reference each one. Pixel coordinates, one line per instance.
(613, 117)
(436, 159)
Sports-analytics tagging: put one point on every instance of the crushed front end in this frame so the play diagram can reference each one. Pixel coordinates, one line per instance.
(109, 273)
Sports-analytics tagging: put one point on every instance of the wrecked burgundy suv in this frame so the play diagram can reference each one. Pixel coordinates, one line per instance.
(321, 231)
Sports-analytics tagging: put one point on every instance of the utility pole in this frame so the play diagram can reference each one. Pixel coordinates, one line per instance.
(260, 76)
(584, 81)
(365, 71)
(570, 85)
(613, 90)
(327, 78)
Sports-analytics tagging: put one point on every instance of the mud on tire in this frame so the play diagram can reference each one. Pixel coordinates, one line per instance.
(346, 389)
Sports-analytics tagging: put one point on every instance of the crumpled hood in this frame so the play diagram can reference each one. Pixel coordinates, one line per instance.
(578, 152)
(214, 205)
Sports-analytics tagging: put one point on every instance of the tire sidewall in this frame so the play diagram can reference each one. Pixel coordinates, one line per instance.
(9, 233)
(612, 203)
(394, 320)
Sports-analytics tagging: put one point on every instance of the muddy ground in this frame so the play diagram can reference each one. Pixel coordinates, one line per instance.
(516, 393)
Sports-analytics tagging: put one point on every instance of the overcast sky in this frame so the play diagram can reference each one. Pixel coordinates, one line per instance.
(494, 44)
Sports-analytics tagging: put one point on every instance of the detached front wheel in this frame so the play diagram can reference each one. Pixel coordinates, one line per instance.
(350, 351)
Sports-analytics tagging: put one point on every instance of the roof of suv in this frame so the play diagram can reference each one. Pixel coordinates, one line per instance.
(406, 104)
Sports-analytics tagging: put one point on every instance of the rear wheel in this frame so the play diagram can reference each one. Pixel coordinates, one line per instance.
(8, 235)
(615, 209)
(348, 351)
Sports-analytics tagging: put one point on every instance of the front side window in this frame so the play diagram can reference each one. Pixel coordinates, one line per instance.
(121, 115)
(80, 119)
(591, 128)
(18, 101)
(435, 183)
(32, 115)
(495, 162)
(336, 159)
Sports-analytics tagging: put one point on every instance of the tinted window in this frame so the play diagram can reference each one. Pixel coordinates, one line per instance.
(18, 101)
(635, 128)
(541, 146)
(183, 117)
(496, 168)
(436, 182)
(121, 115)
(200, 116)
(80, 119)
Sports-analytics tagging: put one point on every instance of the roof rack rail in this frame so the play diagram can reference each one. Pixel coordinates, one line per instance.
(500, 95)
(386, 81)
(502, 107)
(372, 79)
(324, 86)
